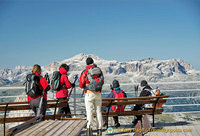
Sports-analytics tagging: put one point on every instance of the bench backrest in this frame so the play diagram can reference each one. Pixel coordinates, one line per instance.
(16, 106)
(134, 100)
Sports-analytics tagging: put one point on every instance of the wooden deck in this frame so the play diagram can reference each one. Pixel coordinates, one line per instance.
(176, 129)
(55, 128)
(160, 129)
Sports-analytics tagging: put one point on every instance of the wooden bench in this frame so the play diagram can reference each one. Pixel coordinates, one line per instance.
(16, 106)
(144, 123)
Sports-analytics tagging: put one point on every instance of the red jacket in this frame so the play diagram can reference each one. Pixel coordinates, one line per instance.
(83, 81)
(63, 92)
(43, 84)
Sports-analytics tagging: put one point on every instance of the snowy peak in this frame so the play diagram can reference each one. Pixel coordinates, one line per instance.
(131, 71)
(81, 58)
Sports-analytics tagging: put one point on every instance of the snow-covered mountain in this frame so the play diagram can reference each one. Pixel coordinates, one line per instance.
(132, 71)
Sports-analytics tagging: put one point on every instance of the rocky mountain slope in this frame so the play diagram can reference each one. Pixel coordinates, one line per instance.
(131, 71)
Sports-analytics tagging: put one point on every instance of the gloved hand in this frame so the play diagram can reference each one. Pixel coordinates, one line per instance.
(73, 85)
(111, 87)
(47, 89)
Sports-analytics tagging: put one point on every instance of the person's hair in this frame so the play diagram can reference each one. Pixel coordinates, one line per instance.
(36, 68)
(65, 66)
(143, 83)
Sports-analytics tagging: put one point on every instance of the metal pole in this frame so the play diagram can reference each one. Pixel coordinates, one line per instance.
(75, 101)
(4, 120)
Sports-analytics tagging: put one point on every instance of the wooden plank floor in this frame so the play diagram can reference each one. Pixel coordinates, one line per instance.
(74, 127)
(55, 128)
(176, 129)
(160, 129)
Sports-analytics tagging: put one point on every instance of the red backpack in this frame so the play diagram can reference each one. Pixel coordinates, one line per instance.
(118, 108)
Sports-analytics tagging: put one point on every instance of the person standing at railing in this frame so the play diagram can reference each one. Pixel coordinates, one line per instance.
(146, 91)
(38, 87)
(92, 80)
(62, 92)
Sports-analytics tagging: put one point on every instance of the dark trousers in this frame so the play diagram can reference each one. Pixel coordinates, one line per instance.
(138, 117)
(115, 118)
(34, 104)
(65, 109)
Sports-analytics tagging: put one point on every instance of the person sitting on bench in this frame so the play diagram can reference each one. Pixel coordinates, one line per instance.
(115, 93)
(146, 91)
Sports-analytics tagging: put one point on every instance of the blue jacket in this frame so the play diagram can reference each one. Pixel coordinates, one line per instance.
(117, 90)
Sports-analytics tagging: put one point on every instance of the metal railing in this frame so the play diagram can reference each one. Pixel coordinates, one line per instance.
(77, 101)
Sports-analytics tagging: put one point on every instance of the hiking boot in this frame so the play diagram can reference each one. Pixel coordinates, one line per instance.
(105, 124)
(89, 132)
(99, 132)
(117, 125)
(134, 122)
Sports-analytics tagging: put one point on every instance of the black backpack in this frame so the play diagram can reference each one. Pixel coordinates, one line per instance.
(32, 85)
(55, 81)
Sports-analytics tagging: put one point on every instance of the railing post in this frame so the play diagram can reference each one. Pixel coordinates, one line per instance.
(75, 101)
(4, 120)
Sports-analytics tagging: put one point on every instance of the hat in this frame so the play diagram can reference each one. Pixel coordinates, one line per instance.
(143, 83)
(89, 61)
(115, 84)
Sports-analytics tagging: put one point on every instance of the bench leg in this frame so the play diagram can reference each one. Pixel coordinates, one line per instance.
(153, 119)
(108, 114)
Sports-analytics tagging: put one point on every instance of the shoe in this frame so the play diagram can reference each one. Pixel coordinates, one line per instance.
(105, 124)
(117, 125)
(134, 123)
(99, 132)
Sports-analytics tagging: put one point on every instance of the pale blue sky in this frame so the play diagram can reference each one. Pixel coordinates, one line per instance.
(43, 31)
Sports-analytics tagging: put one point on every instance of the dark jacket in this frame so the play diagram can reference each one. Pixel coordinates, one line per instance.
(117, 90)
(146, 91)
(43, 85)
(65, 84)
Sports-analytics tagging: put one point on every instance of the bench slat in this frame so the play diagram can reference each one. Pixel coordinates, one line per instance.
(27, 106)
(133, 113)
(25, 102)
(133, 102)
(135, 98)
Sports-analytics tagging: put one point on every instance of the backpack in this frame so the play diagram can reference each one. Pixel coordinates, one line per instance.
(118, 108)
(32, 85)
(55, 81)
(95, 78)
(156, 92)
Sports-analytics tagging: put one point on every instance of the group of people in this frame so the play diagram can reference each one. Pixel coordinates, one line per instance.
(91, 81)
